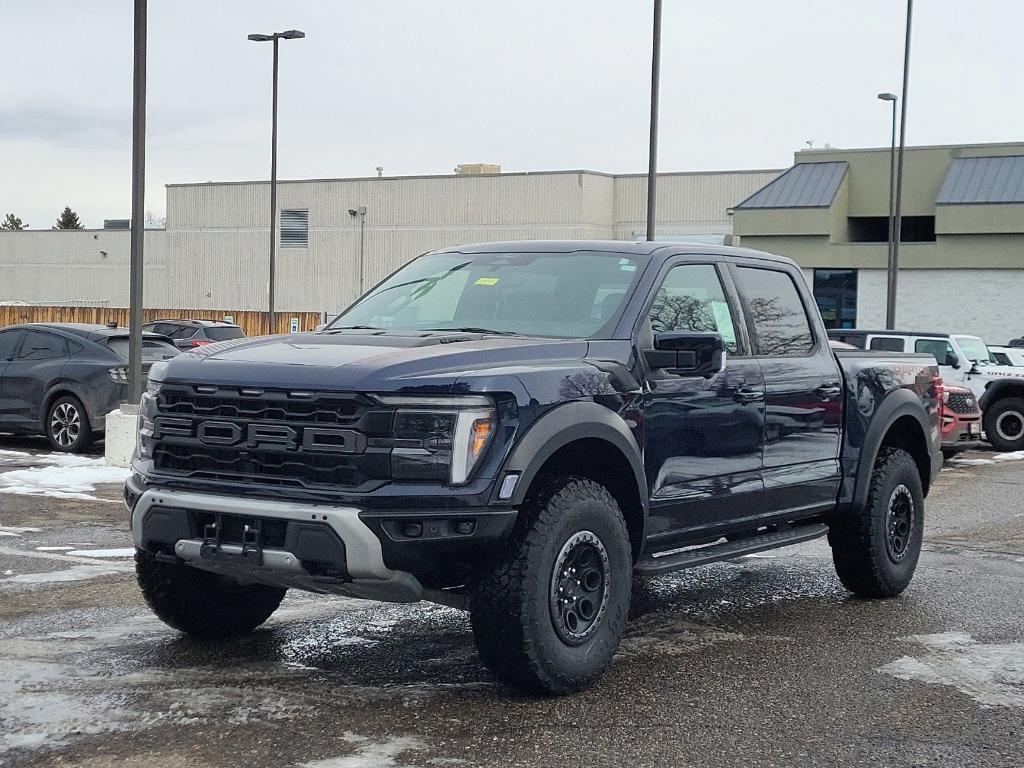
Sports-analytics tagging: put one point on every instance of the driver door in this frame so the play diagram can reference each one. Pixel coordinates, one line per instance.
(703, 437)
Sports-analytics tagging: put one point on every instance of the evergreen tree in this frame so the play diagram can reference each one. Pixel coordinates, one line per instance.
(11, 222)
(68, 220)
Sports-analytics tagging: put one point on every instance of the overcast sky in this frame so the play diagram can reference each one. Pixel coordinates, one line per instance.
(419, 87)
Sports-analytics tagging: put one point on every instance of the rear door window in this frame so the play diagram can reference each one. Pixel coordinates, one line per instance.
(781, 325)
(39, 345)
(888, 344)
(153, 350)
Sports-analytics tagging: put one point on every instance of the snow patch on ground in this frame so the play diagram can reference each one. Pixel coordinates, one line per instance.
(101, 553)
(53, 549)
(16, 531)
(1012, 456)
(75, 573)
(74, 479)
(971, 462)
(991, 674)
(370, 753)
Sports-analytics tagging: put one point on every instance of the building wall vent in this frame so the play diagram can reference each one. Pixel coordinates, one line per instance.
(295, 228)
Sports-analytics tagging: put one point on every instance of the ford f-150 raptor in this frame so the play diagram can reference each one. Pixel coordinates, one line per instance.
(518, 429)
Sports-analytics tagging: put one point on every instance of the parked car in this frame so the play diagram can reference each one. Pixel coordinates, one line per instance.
(960, 419)
(189, 334)
(963, 361)
(1013, 356)
(61, 379)
(518, 429)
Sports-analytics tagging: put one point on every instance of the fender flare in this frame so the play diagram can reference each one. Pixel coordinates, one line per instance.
(895, 405)
(996, 390)
(566, 424)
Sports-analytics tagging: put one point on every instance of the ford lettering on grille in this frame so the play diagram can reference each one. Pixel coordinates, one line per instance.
(278, 437)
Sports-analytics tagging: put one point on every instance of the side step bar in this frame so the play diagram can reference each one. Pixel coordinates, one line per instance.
(652, 565)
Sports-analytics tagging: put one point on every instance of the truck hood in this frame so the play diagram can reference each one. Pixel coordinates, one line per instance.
(367, 361)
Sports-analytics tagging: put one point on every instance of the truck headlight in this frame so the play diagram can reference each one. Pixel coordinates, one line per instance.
(441, 439)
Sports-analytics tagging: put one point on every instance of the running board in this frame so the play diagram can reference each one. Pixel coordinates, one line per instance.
(712, 553)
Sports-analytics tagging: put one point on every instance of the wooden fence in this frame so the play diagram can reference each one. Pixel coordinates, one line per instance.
(253, 323)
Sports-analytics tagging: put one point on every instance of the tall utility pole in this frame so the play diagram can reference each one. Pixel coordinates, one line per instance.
(652, 167)
(890, 309)
(890, 265)
(290, 34)
(138, 226)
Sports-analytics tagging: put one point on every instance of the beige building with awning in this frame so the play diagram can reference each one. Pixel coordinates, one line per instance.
(961, 254)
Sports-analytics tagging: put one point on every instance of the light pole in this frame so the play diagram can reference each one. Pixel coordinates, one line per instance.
(652, 167)
(361, 213)
(890, 310)
(890, 290)
(138, 227)
(290, 34)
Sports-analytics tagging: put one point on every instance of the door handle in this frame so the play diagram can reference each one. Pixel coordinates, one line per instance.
(747, 395)
(828, 391)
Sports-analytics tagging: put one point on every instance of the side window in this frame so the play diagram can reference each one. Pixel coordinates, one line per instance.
(940, 349)
(887, 344)
(780, 320)
(692, 299)
(42, 346)
(8, 343)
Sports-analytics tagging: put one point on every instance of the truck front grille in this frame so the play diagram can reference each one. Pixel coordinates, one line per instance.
(301, 439)
(962, 402)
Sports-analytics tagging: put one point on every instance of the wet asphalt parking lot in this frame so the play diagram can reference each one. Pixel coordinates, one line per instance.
(761, 661)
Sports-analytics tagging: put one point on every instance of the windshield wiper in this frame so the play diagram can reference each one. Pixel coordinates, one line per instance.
(355, 328)
(474, 329)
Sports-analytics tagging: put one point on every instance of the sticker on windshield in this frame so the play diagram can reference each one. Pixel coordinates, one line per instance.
(486, 281)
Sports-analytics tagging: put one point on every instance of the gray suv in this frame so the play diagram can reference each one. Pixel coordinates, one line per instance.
(188, 334)
(61, 379)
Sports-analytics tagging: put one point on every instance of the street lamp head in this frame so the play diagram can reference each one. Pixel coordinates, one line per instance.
(288, 34)
(887, 96)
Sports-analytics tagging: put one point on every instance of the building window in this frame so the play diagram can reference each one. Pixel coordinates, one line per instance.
(835, 291)
(875, 229)
(295, 228)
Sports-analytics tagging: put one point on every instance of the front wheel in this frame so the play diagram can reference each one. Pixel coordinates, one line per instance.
(200, 603)
(548, 615)
(876, 549)
(1004, 424)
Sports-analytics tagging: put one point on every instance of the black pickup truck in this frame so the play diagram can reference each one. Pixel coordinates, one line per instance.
(518, 429)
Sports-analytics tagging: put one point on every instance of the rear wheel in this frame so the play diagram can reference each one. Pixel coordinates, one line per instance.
(201, 603)
(1004, 424)
(876, 549)
(67, 425)
(549, 614)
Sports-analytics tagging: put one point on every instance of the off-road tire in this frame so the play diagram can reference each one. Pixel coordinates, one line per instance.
(1005, 414)
(203, 604)
(861, 547)
(67, 413)
(512, 615)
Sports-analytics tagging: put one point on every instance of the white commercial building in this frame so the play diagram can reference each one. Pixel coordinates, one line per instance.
(214, 252)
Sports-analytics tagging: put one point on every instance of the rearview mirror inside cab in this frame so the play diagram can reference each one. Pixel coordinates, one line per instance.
(687, 353)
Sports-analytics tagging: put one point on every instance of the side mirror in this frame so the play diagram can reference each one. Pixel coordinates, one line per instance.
(687, 353)
(319, 327)
(952, 360)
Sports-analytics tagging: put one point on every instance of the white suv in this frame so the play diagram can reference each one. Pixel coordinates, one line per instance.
(965, 361)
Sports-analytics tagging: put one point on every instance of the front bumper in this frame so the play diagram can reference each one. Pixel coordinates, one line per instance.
(324, 548)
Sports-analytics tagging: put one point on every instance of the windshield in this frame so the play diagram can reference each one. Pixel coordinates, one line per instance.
(974, 348)
(563, 295)
(153, 350)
